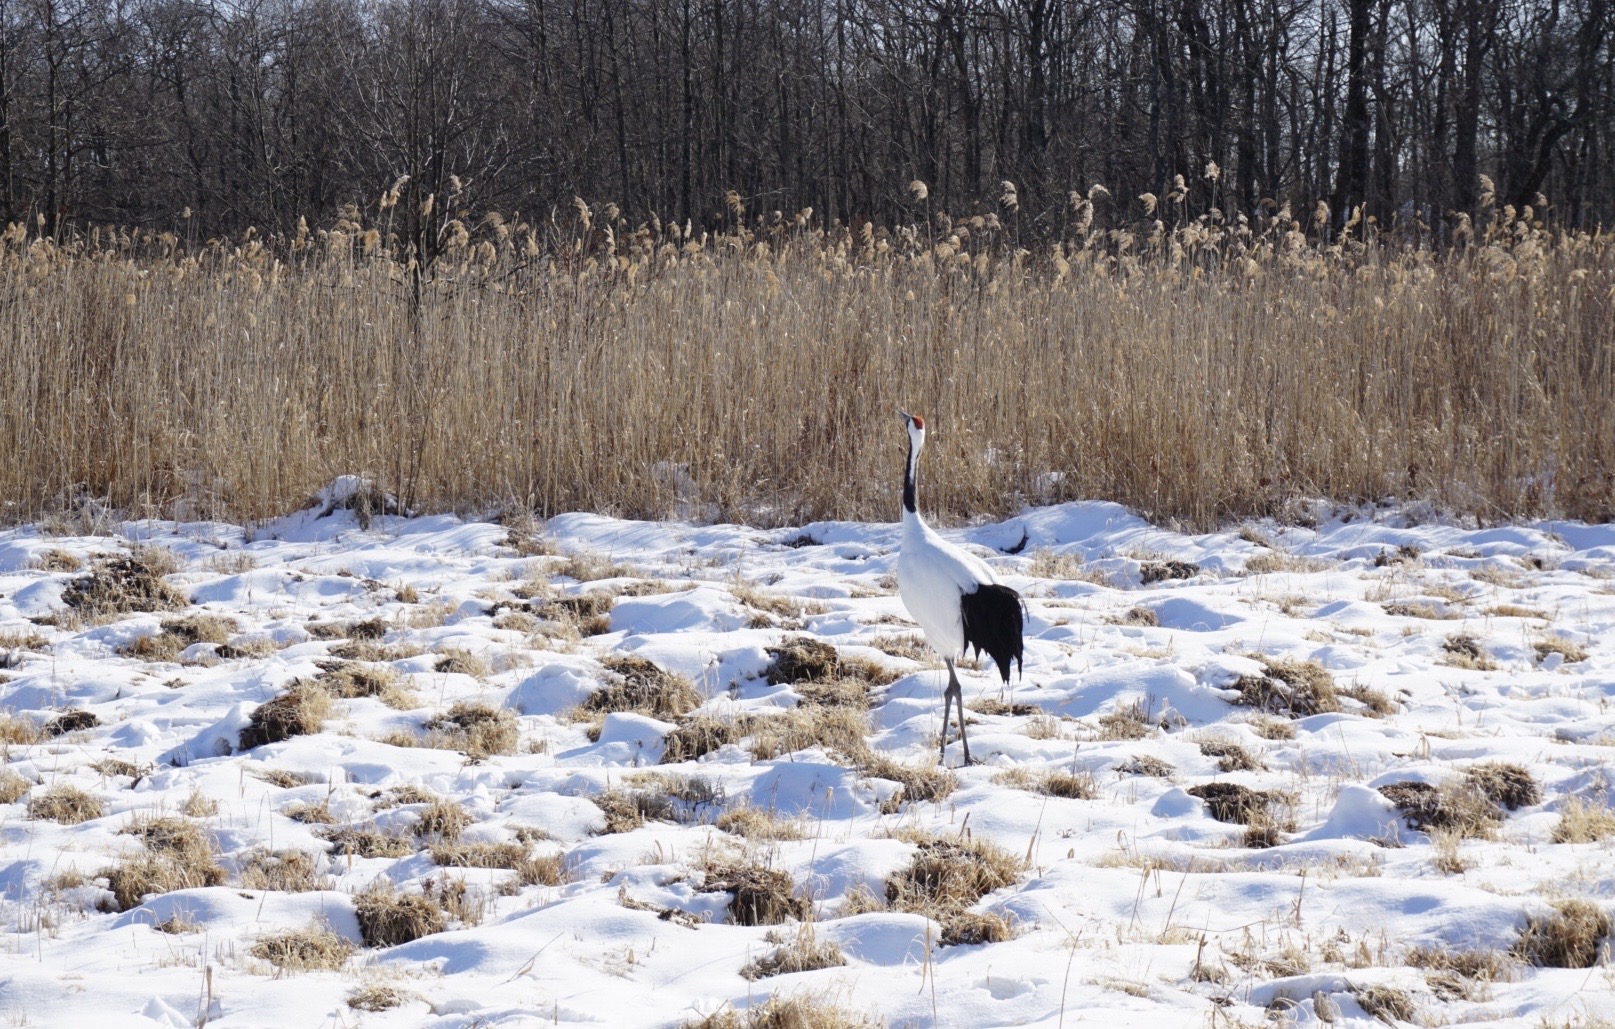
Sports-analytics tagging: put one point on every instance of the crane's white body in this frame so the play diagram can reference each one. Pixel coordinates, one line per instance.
(933, 576)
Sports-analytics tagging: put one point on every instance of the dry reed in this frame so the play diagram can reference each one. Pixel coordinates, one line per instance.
(1203, 372)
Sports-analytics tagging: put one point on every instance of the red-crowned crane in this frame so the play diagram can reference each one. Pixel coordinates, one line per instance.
(954, 596)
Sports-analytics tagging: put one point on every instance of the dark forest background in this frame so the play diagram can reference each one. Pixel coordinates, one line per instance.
(211, 117)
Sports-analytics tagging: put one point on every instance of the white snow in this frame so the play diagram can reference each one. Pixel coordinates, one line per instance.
(1136, 908)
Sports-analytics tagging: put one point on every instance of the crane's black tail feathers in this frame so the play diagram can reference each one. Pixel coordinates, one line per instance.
(992, 622)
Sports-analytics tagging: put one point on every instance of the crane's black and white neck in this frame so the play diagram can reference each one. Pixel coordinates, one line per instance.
(953, 595)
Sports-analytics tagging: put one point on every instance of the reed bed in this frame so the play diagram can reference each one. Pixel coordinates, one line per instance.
(1207, 372)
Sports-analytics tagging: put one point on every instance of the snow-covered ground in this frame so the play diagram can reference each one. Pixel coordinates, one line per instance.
(1131, 907)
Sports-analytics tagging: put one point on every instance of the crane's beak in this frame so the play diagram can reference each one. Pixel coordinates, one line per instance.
(907, 418)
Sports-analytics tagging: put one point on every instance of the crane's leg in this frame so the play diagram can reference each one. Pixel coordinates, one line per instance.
(947, 708)
(955, 695)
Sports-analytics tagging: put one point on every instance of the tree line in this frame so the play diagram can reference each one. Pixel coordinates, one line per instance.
(207, 117)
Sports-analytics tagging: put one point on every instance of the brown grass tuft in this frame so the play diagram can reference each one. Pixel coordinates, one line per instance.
(762, 896)
(1510, 785)
(300, 711)
(454, 661)
(947, 876)
(1463, 650)
(309, 949)
(347, 680)
(1145, 764)
(1570, 650)
(71, 721)
(1293, 688)
(638, 685)
(1389, 1004)
(66, 804)
(179, 855)
(1490, 966)
(1232, 802)
(1231, 757)
(803, 952)
(125, 585)
(803, 659)
(442, 820)
(1582, 821)
(286, 871)
(1570, 937)
(474, 729)
(177, 634)
(18, 730)
(13, 787)
(754, 823)
(378, 997)
(388, 918)
(780, 1012)
(366, 842)
(1458, 807)
(701, 734)
(919, 783)
(839, 730)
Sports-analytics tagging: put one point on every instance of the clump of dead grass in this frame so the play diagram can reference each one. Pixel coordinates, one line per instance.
(1510, 785)
(701, 734)
(457, 661)
(839, 730)
(300, 711)
(1127, 722)
(755, 823)
(1231, 756)
(760, 895)
(177, 634)
(474, 729)
(639, 686)
(388, 918)
(1463, 650)
(1566, 648)
(442, 820)
(1289, 687)
(373, 651)
(803, 951)
(779, 1012)
(66, 804)
(1570, 936)
(1147, 765)
(1375, 702)
(1152, 572)
(125, 585)
(13, 787)
(1420, 609)
(1234, 802)
(1491, 966)
(20, 731)
(284, 871)
(315, 947)
(72, 720)
(349, 680)
(917, 783)
(802, 659)
(1068, 785)
(1582, 821)
(1138, 617)
(179, 855)
(1389, 1004)
(1458, 807)
(947, 876)
(378, 997)
(366, 841)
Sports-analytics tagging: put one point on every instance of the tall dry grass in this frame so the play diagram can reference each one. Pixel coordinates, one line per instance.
(1203, 373)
